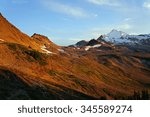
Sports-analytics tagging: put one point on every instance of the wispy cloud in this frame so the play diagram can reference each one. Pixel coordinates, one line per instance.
(120, 6)
(105, 2)
(146, 4)
(64, 8)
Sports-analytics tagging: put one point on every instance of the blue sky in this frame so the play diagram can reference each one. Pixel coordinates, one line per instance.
(68, 21)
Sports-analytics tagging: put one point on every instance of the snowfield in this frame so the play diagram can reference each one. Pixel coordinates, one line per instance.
(61, 50)
(45, 50)
(95, 46)
(1, 40)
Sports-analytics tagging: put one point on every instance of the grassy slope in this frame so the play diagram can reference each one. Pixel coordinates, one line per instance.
(96, 76)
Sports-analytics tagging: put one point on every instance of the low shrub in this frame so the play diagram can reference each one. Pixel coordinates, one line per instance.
(34, 54)
(52, 73)
(12, 46)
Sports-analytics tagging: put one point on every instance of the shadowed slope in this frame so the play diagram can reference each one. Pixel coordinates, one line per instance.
(12, 87)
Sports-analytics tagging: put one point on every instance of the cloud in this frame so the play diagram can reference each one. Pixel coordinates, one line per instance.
(105, 2)
(146, 5)
(64, 8)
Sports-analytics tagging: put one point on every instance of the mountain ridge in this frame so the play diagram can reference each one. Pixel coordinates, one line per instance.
(121, 38)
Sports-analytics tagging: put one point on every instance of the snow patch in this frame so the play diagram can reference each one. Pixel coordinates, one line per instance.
(89, 47)
(139, 37)
(60, 50)
(46, 51)
(1, 40)
(97, 46)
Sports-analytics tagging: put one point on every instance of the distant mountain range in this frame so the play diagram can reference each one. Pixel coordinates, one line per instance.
(119, 37)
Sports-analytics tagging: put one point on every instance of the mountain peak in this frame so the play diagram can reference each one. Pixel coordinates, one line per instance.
(117, 31)
(81, 43)
(92, 42)
(40, 38)
(38, 35)
(43, 40)
(114, 30)
(116, 34)
(3, 18)
(10, 33)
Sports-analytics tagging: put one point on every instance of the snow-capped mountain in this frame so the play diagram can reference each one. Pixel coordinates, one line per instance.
(119, 37)
(116, 34)
(116, 37)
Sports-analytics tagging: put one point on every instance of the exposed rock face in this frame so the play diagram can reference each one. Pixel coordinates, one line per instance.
(81, 43)
(101, 38)
(92, 42)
